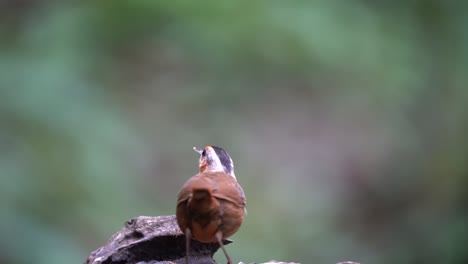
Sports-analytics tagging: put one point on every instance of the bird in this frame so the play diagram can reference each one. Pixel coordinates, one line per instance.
(211, 205)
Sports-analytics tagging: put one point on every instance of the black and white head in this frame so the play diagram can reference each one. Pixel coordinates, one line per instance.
(214, 158)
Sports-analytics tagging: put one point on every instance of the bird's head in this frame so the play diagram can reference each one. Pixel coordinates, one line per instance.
(215, 159)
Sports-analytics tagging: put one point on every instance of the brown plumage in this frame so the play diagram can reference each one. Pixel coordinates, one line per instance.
(211, 204)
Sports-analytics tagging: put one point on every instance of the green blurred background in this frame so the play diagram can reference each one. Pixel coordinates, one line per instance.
(346, 120)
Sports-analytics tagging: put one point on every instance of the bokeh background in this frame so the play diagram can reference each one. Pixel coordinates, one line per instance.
(346, 120)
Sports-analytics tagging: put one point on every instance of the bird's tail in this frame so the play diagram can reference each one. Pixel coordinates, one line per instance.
(202, 200)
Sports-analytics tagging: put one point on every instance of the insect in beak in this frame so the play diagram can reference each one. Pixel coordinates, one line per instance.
(198, 150)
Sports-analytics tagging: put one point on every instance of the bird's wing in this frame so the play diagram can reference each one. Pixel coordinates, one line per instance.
(232, 192)
(185, 192)
(196, 182)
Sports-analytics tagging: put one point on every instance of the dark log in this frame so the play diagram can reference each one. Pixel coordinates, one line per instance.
(156, 240)
(152, 239)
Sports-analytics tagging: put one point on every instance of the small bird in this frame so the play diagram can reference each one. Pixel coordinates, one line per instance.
(211, 204)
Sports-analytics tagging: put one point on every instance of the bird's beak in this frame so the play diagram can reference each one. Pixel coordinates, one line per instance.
(198, 150)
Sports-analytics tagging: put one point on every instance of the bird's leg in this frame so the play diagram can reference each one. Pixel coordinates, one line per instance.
(219, 237)
(188, 235)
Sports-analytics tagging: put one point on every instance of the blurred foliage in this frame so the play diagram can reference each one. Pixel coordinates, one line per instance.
(347, 122)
